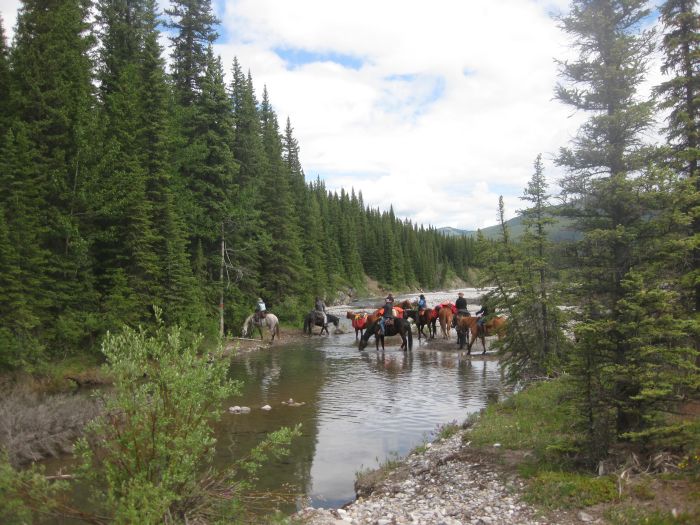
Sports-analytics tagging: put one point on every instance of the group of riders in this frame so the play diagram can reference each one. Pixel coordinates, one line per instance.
(388, 310)
(460, 305)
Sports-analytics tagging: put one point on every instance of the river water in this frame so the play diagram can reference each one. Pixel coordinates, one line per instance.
(359, 408)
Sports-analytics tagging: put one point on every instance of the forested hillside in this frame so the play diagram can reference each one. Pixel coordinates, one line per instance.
(124, 187)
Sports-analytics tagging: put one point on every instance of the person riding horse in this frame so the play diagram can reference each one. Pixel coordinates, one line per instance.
(461, 306)
(320, 309)
(388, 313)
(422, 303)
(260, 309)
(482, 314)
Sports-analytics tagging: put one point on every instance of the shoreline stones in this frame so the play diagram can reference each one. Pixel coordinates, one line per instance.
(448, 484)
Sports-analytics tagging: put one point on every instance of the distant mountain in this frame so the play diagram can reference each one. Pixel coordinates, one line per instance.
(562, 230)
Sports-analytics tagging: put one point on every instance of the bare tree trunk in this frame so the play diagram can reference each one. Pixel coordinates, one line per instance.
(221, 281)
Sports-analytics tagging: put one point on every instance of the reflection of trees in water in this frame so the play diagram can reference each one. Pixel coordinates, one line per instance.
(269, 378)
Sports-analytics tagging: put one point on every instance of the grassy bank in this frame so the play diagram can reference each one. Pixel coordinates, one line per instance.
(533, 432)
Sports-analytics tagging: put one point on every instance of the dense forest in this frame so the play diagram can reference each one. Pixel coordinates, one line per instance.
(126, 184)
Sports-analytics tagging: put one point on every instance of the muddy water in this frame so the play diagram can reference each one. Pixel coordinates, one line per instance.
(359, 408)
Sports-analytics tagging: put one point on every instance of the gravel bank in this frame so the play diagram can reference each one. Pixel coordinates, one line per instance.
(448, 484)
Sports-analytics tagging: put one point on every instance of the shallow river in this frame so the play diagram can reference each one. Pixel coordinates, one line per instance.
(360, 408)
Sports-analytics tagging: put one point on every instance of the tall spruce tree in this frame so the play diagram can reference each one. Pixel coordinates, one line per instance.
(51, 105)
(282, 264)
(605, 164)
(4, 79)
(681, 95)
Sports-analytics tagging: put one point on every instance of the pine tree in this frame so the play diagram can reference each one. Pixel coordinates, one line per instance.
(193, 21)
(681, 95)
(605, 165)
(282, 264)
(4, 80)
(51, 95)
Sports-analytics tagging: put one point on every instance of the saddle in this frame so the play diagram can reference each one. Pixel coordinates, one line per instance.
(318, 316)
(389, 321)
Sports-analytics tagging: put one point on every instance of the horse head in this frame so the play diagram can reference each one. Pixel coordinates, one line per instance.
(369, 332)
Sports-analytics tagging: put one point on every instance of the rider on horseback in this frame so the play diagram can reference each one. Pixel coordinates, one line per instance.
(320, 309)
(482, 314)
(461, 306)
(388, 313)
(260, 309)
(422, 303)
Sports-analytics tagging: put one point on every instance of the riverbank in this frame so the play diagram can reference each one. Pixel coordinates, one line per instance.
(500, 468)
(448, 483)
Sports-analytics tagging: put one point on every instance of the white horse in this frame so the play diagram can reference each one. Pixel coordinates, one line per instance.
(270, 320)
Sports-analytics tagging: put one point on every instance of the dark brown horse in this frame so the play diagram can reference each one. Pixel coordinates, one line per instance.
(313, 318)
(394, 326)
(359, 321)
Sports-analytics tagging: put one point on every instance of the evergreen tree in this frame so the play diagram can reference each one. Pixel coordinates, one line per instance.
(681, 95)
(177, 294)
(193, 21)
(248, 233)
(282, 264)
(4, 80)
(51, 96)
(605, 179)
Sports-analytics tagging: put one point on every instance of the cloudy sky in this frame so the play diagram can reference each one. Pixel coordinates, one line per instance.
(436, 108)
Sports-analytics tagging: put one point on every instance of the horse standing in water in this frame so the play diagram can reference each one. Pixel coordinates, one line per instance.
(359, 321)
(468, 323)
(270, 320)
(313, 319)
(422, 318)
(397, 327)
(445, 315)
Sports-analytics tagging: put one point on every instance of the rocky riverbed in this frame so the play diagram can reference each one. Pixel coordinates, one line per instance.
(450, 483)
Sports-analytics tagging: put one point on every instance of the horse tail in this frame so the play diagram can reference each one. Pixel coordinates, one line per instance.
(410, 337)
(277, 329)
(306, 324)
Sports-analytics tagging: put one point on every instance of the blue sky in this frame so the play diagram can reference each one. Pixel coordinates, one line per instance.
(436, 108)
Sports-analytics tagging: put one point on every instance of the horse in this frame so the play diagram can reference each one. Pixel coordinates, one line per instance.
(313, 318)
(423, 318)
(398, 327)
(445, 315)
(405, 305)
(270, 320)
(359, 321)
(496, 325)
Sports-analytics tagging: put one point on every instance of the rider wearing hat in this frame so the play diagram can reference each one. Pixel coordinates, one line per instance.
(422, 303)
(388, 312)
(461, 306)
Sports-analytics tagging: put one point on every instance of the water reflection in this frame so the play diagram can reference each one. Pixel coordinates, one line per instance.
(360, 407)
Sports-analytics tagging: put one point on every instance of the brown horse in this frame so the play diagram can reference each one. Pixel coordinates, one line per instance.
(359, 321)
(494, 326)
(425, 317)
(445, 315)
(405, 305)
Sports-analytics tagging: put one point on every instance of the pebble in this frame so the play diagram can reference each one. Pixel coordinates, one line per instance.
(441, 489)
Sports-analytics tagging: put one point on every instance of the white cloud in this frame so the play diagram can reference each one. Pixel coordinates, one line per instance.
(442, 161)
